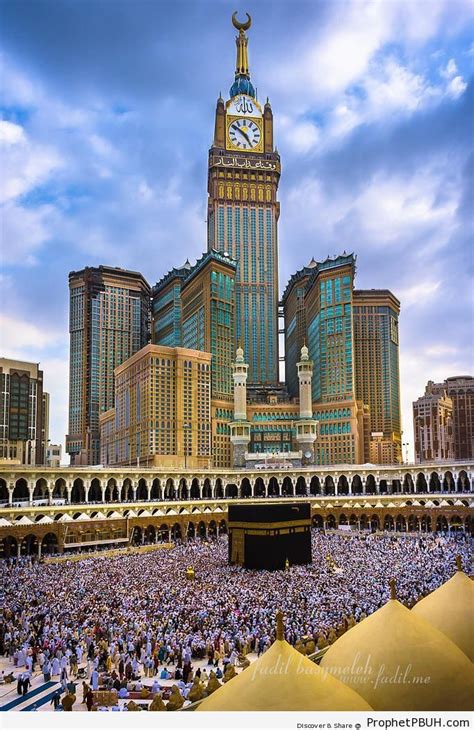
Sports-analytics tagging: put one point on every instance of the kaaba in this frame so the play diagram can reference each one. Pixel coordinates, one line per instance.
(266, 536)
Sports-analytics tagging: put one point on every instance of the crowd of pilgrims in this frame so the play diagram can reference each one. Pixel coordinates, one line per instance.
(139, 615)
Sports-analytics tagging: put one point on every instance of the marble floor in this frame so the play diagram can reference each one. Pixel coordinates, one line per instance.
(39, 696)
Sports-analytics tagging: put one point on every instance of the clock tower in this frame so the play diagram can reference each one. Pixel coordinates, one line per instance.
(243, 211)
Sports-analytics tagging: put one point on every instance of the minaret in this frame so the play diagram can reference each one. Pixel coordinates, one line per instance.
(306, 426)
(239, 427)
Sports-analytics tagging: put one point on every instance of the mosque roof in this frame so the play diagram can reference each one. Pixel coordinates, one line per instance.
(283, 679)
(407, 663)
(450, 609)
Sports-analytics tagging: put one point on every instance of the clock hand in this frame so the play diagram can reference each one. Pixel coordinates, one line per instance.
(244, 134)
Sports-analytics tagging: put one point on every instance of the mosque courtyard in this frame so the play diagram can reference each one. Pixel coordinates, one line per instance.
(119, 622)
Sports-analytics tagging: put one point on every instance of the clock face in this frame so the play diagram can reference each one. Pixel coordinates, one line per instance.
(244, 134)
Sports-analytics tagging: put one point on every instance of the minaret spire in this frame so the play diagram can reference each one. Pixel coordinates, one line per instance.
(241, 41)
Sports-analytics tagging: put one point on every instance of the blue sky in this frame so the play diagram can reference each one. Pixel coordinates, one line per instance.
(107, 112)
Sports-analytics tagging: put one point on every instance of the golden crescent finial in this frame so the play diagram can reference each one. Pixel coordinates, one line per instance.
(241, 26)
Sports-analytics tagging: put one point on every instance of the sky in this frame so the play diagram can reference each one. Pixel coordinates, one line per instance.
(107, 114)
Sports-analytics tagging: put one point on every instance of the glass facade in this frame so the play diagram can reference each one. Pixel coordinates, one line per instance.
(330, 334)
(248, 234)
(222, 332)
(167, 316)
(109, 321)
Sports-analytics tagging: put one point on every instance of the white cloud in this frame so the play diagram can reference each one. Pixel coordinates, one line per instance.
(341, 53)
(102, 147)
(387, 90)
(455, 84)
(348, 71)
(420, 294)
(24, 231)
(299, 136)
(393, 87)
(327, 63)
(456, 87)
(11, 133)
(19, 338)
(441, 350)
(16, 89)
(450, 70)
(25, 164)
(392, 207)
(388, 211)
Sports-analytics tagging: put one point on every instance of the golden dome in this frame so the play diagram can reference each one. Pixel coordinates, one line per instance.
(398, 661)
(450, 609)
(283, 679)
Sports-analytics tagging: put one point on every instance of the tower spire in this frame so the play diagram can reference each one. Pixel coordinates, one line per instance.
(242, 83)
(241, 41)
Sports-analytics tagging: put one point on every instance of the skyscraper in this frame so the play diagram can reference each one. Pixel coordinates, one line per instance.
(318, 312)
(294, 312)
(433, 425)
(460, 389)
(109, 322)
(330, 332)
(166, 307)
(24, 412)
(243, 211)
(162, 410)
(194, 307)
(377, 374)
(328, 303)
(208, 317)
